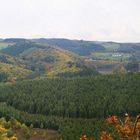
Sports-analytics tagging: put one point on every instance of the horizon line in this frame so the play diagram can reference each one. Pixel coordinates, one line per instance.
(106, 41)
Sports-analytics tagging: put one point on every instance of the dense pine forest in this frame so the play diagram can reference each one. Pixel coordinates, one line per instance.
(87, 97)
(72, 106)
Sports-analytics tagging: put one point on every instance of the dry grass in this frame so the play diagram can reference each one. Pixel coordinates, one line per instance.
(41, 134)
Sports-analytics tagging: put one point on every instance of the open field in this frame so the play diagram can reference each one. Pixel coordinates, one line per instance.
(111, 56)
(111, 46)
(4, 45)
(43, 134)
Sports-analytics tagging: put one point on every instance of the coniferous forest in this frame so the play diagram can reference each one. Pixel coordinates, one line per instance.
(72, 106)
(87, 97)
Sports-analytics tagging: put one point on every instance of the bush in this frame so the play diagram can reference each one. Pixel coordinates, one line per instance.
(41, 125)
(10, 133)
(25, 130)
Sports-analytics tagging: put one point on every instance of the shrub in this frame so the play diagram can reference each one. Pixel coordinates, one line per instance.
(25, 131)
(10, 133)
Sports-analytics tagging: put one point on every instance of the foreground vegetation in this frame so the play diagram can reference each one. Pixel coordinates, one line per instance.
(126, 129)
(15, 130)
(68, 128)
(114, 128)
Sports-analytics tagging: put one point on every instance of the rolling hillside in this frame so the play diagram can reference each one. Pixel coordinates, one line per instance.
(80, 47)
(85, 48)
(12, 68)
(57, 57)
(8, 59)
(48, 61)
(13, 72)
(114, 54)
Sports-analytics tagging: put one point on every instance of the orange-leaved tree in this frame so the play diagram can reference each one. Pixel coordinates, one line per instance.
(128, 129)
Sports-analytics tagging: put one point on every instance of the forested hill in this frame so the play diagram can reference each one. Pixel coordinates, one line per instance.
(88, 97)
(70, 58)
(46, 60)
(81, 47)
(77, 46)
(12, 68)
(86, 48)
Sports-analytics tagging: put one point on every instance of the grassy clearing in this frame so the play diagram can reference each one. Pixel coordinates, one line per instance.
(111, 46)
(42, 134)
(111, 56)
(3, 45)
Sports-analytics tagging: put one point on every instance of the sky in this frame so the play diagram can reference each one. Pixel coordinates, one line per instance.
(98, 20)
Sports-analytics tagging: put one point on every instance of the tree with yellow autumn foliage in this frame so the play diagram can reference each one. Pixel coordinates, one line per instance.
(9, 128)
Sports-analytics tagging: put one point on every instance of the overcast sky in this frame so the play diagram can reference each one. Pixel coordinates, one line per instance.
(105, 20)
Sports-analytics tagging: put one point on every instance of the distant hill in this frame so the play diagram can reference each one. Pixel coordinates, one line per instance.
(129, 47)
(14, 40)
(19, 47)
(81, 47)
(85, 48)
(64, 57)
(47, 60)
(77, 46)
